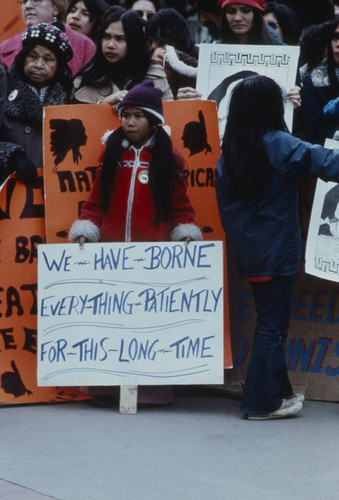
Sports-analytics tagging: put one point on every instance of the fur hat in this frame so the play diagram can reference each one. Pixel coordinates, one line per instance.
(51, 37)
(146, 97)
(256, 4)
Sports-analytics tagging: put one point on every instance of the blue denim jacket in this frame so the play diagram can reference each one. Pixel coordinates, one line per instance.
(265, 236)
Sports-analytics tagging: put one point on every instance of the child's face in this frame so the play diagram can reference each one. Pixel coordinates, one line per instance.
(135, 126)
(114, 43)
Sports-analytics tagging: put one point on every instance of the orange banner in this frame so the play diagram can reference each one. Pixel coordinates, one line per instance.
(11, 21)
(73, 144)
(22, 228)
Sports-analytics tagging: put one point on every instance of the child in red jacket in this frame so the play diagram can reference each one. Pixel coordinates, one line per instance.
(139, 193)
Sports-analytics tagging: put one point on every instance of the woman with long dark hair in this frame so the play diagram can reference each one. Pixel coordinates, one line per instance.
(320, 91)
(284, 21)
(121, 61)
(257, 183)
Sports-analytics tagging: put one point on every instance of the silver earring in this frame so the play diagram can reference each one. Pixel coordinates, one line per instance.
(55, 19)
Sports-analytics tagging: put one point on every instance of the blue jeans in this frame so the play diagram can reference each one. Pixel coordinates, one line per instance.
(267, 382)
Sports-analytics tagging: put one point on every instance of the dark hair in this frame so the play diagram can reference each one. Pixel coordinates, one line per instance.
(258, 34)
(331, 64)
(256, 105)
(288, 21)
(98, 72)
(158, 4)
(96, 9)
(169, 27)
(207, 5)
(163, 167)
(314, 42)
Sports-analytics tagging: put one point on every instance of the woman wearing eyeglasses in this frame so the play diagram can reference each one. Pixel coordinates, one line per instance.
(144, 8)
(48, 11)
(284, 21)
(320, 94)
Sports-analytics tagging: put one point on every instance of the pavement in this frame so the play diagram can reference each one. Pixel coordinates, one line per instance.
(199, 448)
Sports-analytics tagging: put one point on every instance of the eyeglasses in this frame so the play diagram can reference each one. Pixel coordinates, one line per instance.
(273, 24)
(33, 2)
(141, 14)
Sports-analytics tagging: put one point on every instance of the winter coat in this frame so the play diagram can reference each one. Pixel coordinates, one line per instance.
(94, 95)
(181, 69)
(131, 212)
(316, 92)
(265, 235)
(22, 117)
(83, 49)
(8, 150)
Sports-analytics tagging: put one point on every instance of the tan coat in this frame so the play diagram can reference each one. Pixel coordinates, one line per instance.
(94, 95)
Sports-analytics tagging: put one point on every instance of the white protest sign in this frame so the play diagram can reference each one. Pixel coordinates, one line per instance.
(322, 248)
(130, 314)
(222, 66)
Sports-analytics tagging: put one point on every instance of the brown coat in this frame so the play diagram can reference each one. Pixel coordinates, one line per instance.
(94, 95)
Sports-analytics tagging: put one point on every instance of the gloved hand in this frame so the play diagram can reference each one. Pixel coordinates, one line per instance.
(332, 108)
(24, 168)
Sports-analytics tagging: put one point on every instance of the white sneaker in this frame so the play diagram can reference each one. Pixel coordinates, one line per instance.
(288, 408)
(297, 397)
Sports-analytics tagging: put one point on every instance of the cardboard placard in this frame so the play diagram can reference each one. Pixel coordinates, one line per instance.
(22, 229)
(130, 314)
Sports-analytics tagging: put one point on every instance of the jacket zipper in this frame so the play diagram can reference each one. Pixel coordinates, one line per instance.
(131, 196)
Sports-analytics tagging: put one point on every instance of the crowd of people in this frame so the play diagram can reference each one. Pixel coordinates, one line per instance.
(134, 54)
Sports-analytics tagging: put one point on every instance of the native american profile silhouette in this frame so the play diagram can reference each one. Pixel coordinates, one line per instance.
(67, 135)
(11, 382)
(221, 95)
(194, 136)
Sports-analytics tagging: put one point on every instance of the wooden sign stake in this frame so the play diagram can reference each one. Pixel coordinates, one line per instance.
(128, 399)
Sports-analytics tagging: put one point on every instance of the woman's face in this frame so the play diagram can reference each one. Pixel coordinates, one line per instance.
(335, 45)
(240, 18)
(272, 21)
(135, 126)
(144, 9)
(114, 43)
(38, 11)
(40, 65)
(78, 19)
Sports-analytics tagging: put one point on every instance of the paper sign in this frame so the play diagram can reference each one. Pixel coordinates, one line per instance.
(322, 249)
(130, 314)
(221, 67)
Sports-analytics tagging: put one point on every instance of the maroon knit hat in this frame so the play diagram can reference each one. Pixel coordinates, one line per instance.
(146, 97)
(257, 4)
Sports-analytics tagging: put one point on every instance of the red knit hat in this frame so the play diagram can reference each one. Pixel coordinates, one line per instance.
(256, 4)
